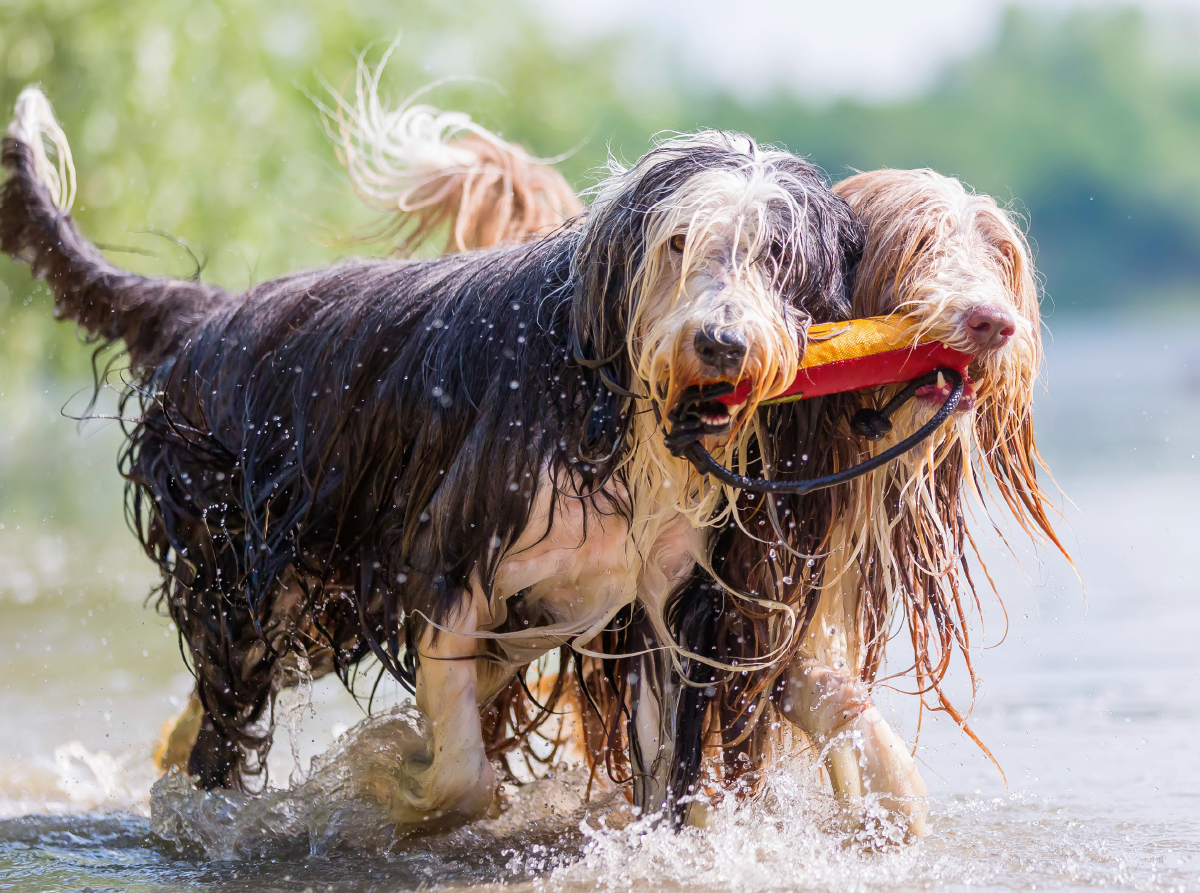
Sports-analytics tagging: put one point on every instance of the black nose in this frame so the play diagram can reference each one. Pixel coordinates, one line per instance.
(721, 349)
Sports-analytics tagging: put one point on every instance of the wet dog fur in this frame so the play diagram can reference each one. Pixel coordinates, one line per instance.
(887, 548)
(453, 465)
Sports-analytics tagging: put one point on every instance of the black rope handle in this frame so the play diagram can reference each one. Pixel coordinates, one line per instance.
(873, 424)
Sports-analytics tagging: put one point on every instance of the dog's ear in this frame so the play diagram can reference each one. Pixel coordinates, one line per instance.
(853, 242)
(609, 250)
(607, 253)
(829, 241)
(611, 254)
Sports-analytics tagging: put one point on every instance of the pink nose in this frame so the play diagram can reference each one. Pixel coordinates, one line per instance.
(990, 327)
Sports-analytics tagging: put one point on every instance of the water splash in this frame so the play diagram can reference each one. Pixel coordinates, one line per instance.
(78, 780)
(334, 829)
(344, 801)
(91, 779)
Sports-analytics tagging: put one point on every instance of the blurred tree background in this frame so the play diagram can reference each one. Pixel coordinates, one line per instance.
(195, 120)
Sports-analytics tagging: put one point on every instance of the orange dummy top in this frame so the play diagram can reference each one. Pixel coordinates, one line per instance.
(863, 353)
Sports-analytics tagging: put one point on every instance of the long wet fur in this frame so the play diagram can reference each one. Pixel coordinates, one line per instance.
(748, 615)
(321, 466)
(897, 546)
(902, 535)
(933, 251)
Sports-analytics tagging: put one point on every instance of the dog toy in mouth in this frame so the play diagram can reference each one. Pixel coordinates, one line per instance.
(862, 353)
(845, 356)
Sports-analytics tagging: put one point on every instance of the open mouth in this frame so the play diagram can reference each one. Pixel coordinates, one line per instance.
(939, 391)
(715, 416)
(699, 413)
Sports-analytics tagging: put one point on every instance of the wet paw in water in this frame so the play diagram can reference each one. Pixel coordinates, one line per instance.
(346, 804)
(345, 800)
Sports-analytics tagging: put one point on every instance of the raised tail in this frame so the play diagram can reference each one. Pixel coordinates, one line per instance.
(152, 316)
(435, 171)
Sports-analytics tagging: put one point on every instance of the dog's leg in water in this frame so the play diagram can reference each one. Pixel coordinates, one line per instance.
(652, 726)
(863, 754)
(452, 779)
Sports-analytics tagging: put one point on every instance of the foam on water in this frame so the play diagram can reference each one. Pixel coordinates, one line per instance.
(333, 830)
(794, 839)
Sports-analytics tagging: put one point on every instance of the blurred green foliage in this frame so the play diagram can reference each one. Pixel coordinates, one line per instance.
(196, 119)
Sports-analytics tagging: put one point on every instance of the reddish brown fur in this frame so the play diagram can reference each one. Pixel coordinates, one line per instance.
(503, 197)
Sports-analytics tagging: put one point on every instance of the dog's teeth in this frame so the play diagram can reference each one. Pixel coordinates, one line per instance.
(941, 382)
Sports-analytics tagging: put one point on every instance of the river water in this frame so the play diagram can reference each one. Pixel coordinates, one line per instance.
(1091, 704)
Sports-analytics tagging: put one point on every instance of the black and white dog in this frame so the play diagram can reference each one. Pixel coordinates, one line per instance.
(455, 465)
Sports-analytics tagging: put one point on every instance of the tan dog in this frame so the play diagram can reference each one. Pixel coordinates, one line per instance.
(956, 263)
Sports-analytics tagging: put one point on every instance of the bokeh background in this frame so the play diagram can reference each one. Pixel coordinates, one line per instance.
(199, 145)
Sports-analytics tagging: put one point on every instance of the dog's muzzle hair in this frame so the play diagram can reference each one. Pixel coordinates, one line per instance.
(339, 463)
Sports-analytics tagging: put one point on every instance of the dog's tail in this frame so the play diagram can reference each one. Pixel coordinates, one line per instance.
(432, 170)
(151, 315)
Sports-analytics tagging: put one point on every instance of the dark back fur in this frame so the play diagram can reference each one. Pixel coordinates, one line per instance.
(354, 432)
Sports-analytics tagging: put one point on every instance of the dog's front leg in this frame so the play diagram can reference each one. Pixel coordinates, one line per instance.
(652, 727)
(862, 753)
(451, 780)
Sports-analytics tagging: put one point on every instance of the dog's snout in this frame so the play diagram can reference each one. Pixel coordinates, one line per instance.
(990, 327)
(721, 349)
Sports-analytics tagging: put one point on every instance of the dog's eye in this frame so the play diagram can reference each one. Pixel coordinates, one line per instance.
(677, 242)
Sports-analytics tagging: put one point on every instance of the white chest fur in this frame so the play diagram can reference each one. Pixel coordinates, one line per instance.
(578, 563)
